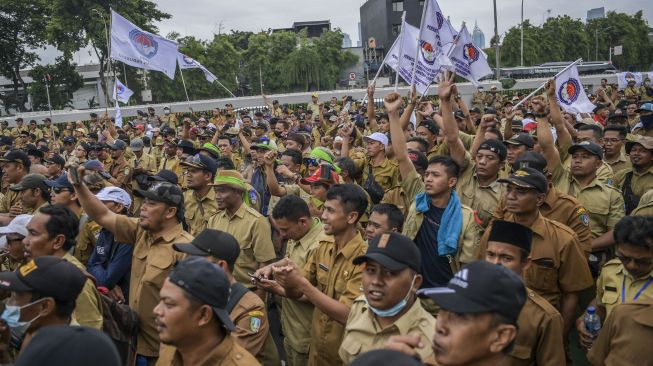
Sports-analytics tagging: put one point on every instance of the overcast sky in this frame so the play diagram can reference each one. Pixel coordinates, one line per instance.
(203, 18)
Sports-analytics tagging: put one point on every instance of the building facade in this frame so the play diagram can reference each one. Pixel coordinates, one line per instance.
(478, 37)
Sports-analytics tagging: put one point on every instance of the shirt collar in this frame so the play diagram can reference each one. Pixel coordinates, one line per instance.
(405, 322)
(307, 239)
(352, 247)
(539, 226)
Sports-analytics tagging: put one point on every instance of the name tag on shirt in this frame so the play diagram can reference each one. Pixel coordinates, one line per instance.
(324, 267)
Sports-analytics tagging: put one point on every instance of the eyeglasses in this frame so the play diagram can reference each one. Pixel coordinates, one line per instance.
(311, 162)
(58, 190)
(638, 262)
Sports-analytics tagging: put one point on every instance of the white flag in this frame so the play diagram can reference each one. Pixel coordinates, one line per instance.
(135, 47)
(431, 57)
(121, 93)
(570, 93)
(186, 63)
(118, 117)
(403, 64)
(624, 77)
(470, 62)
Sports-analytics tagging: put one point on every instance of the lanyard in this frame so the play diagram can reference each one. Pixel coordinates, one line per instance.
(623, 289)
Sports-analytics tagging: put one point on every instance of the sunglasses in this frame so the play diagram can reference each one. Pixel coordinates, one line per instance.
(58, 190)
(311, 162)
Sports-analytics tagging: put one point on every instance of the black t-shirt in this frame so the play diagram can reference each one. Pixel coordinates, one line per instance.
(436, 270)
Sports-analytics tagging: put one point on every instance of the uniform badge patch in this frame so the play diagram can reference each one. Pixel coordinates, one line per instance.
(584, 216)
(254, 324)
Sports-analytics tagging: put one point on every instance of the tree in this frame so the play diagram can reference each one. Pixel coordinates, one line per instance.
(629, 31)
(511, 47)
(62, 79)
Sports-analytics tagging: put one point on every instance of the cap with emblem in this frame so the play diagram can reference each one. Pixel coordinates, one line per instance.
(164, 192)
(16, 156)
(481, 287)
(207, 283)
(645, 141)
(60, 182)
(30, 181)
(211, 242)
(49, 276)
(119, 145)
(496, 147)
(393, 251)
(527, 178)
(588, 146)
(530, 159)
(56, 159)
(521, 139)
(201, 161)
(512, 233)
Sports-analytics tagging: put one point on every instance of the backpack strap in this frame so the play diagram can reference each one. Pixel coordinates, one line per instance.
(237, 293)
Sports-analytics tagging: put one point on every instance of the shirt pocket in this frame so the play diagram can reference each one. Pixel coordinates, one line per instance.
(521, 352)
(599, 210)
(322, 277)
(190, 215)
(609, 297)
(543, 277)
(157, 268)
(351, 347)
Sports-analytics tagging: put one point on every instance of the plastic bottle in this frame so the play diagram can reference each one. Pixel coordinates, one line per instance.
(592, 322)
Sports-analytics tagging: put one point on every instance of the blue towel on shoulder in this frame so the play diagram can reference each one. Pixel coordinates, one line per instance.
(451, 224)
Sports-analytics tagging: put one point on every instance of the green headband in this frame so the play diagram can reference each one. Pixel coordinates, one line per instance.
(230, 180)
(210, 147)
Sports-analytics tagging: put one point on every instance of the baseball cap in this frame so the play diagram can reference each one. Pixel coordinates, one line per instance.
(211, 242)
(201, 162)
(17, 226)
(645, 141)
(165, 192)
(588, 146)
(318, 178)
(530, 159)
(16, 156)
(207, 283)
(48, 275)
(481, 287)
(56, 159)
(71, 346)
(378, 137)
(60, 182)
(429, 125)
(229, 178)
(490, 110)
(136, 144)
(393, 251)
(645, 107)
(30, 181)
(459, 114)
(496, 147)
(164, 175)
(114, 194)
(211, 149)
(35, 152)
(119, 145)
(419, 159)
(386, 357)
(527, 178)
(265, 144)
(512, 233)
(315, 95)
(598, 107)
(521, 139)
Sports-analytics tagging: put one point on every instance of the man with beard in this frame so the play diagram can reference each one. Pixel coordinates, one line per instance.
(638, 180)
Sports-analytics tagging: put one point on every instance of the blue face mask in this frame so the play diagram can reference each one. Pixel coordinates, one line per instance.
(11, 316)
(395, 309)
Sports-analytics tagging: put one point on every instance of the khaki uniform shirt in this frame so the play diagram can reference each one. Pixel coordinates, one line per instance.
(631, 93)
(297, 316)
(198, 211)
(334, 274)
(152, 260)
(227, 353)
(86, 240)
(170, 119)
(171, 163)
(386, 174)
(645, 207)
(36, 132)
(88, 307)
(252, 230)
(640, 183)
(253, 329)
(622, 163)
(558, 262)
(17, 130)
(625, 339)
(642, 131)
(603, 202)
(10, 198)
(539, 340)
(122, 172)
(615, 284)
(482, 199)
(478, 99)
(561, 173)
(363, 332)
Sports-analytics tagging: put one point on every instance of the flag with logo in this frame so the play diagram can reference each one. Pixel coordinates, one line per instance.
(469, 61)
(186, 63)
(623, 78)
(118, 117)
(403, 63)
(570, 93)
(121, 93)
(138, 48)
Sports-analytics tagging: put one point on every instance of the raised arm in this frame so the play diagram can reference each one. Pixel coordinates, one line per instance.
(371, 115)
(392, 104)
(447, 88)
(270, 178)
(468, 119)
(95, 209)
(564, 137)
(544, 135)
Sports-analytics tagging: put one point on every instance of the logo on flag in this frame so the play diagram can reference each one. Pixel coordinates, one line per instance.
(188, 60)
(144, 43)
(470, 53)
(569, 91)
(120, 89)
(121, 93)
(440, 19)
(428, 53)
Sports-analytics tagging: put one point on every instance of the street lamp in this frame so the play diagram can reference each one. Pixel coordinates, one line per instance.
(521, 53)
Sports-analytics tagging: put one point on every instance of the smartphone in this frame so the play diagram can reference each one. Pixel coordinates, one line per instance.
(74, 174)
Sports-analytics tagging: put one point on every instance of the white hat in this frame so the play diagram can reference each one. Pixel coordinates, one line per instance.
(378, 136)
(114, 194)
(17, 226)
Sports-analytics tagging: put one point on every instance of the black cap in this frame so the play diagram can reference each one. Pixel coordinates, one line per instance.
(430, 125)
(599, 106)
(496, 147)
(206, 282)
(70, 346)
(211, 242)
(521, 139)
(16, 156)
(30, 181)
(419, 159)
(165, 175)
(163, 192)
(118, 145)
(588, 146)
(393, 251)
(201, 161)
(49, 276)
(56, 159)
(386, 357)
(60, 182)
(528, 178)
(459, 114)
(476, 109)
(69, 140)
(481, 287)
(508, 232)
(530, 159)
(35, 152)
(490, 110)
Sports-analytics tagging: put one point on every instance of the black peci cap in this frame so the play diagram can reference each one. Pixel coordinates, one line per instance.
(528, 178)
(393, 251)
(512, 233)
(211, 242)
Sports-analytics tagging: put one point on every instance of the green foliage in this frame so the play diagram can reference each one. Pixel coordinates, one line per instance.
(64, 80)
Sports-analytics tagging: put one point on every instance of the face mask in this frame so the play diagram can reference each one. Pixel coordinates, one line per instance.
(395, 309)
(11, 316)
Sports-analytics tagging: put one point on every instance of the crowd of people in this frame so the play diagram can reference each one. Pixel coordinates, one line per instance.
(416, 231)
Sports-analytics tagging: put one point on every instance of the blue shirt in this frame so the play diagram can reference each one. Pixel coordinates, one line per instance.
(436, 270)
(111, 262)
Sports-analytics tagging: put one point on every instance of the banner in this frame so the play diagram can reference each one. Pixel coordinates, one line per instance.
(118, 117)
(624, 77)
(470, 62)
(121, 93)
(186, 63)
(403, 64)
(430, 56)
(570, 93)
(135, 47)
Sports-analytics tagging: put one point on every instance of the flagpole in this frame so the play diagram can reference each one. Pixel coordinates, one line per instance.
(542, 86)
(229, 91)
(378, 72)
(106, 35)
(421, 22)
(260, 78)
(185, 90)
(401, 46)
(47, 92)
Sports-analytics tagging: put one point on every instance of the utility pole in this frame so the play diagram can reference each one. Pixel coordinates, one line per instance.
(496, 40)
(521, 53)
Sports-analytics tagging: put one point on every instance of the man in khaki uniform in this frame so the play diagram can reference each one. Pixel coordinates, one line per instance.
(389, 305)
(493, 98)
(645, 207)
(539, 340)
(15, 165)
(20, 127)
(35, 130)
(638, 180)
(631, 92)
(237, 218)
(153, 234)
(143, 165)
(200, 292)
(119, 168)
(329, 280)
(614, 137)
(293, 221)
(246, 310)
(170, 160)
(559, 270)
(478, 99)
(199, 199)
